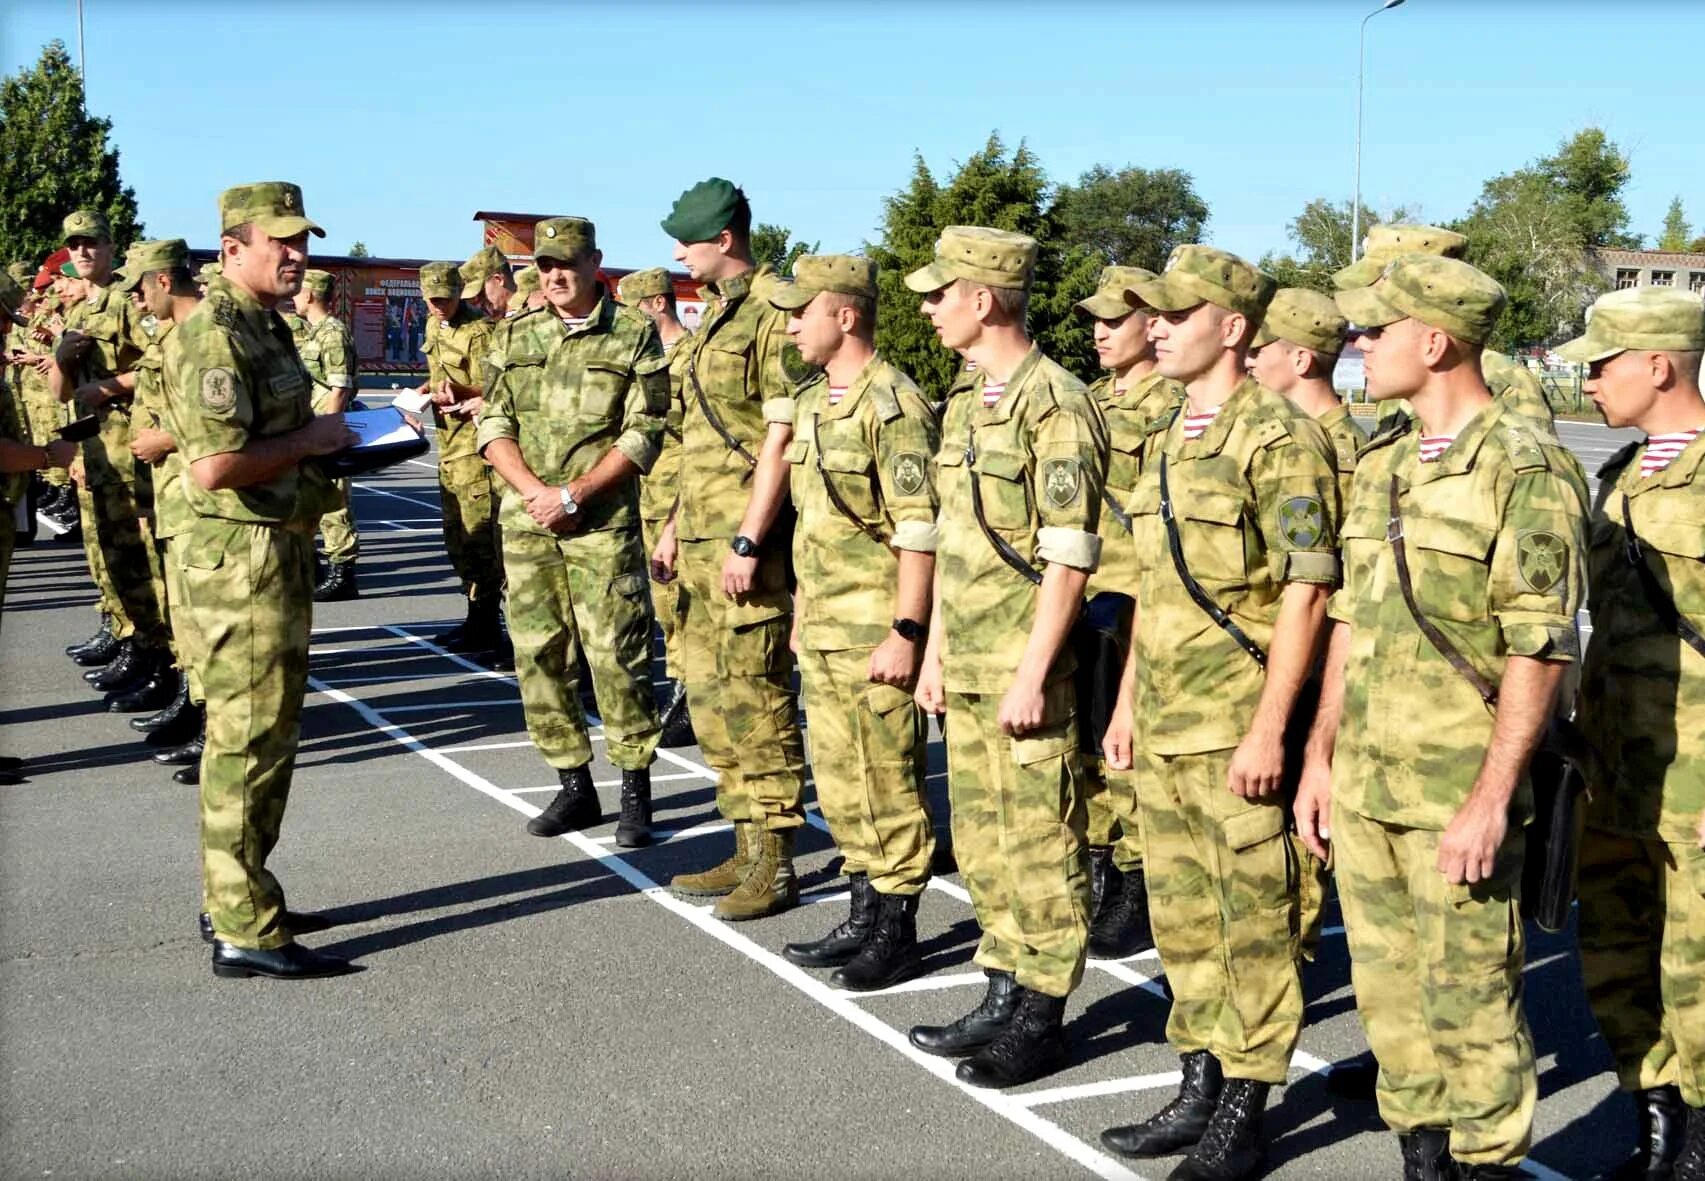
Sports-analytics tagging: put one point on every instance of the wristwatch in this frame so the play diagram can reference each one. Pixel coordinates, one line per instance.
(910, 630)
(745, 547)
(569, 505)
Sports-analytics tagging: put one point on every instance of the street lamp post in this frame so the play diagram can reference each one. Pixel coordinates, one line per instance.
(1361, 65)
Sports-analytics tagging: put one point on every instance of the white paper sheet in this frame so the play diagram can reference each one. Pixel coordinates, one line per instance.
(379, 428)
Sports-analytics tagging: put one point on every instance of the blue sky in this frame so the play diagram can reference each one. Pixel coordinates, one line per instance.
(400, 119)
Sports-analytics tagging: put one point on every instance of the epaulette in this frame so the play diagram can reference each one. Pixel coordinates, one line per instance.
(885, 400)
(1271, 431)
(224, 310)
(1164, 420)
(1394, 429)
(1614, 465)
(1524, 450)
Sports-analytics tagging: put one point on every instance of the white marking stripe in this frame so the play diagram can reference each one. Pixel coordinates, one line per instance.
(1112, 1086)
(447, 706)
(923, 984)
(414, 500)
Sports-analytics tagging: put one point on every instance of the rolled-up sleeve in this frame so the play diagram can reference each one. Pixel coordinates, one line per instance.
(905, 447)
(1539, 567)
(647, 405)
(1070, 474)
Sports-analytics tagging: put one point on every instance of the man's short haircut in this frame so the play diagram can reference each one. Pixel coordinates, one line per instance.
(863, 305)
(740, 221)
(242, 232)
(1014, 302)
(1322, 365)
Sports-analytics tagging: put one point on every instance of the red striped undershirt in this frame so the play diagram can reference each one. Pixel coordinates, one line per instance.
(836, 393)
(1433, 446)
(992, 391)
(1661, 449)
(1196, 425)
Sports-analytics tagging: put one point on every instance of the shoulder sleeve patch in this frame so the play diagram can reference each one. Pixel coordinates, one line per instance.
(218, 391)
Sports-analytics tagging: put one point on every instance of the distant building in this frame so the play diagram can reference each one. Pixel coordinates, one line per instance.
(1652, 268)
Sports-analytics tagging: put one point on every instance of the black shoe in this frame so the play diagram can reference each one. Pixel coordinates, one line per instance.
(841, 944)
(890, 952)
(1230, 1150)
(290, 962)
(977, 1028)
(677, 722)
(189, 754)
(296, 922)
(1181, 1123)
(1121, 928)
(121, 670)
(158, 692)
(479, 632)
(1354, 1078)
(1663, 1131)
(11, 763)
(98, 649)
(1426, 1154)
(1032, 1046)
(574, 807)
(500, 657)
(633, 828)
(189, 776)
(1690, 1165)
(339, 585)
(170, 717)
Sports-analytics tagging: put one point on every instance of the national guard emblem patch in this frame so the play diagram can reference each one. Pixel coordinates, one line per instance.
(1302, 521)
(218, 391)
(1062, 481)
(908, 469)
(1542, 558)
(150, 325)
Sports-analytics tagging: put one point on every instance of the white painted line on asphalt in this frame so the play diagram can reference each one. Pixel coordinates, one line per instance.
(414, 500)
(663, 836)
(453, 657)
(396, 528)
(1112, 1086)
(506, 702)
(395, 678)
(921, 984)
(479, 746)
(598, 783)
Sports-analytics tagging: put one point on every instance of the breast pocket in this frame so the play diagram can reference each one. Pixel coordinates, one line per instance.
(848, 470)
(602, 390)
(721, 364)
(1450, 565)
(1212, 526)
(523, 378)
(1674, 541)
(1004, 485)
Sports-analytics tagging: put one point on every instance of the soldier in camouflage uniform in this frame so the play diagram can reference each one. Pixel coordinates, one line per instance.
(734, 612)
(1642, 705)
(242, 416)
(1294, 353)
(652, 292)
(1429, 792)
(1138, 404)
(1249, 481)
(328, 354)
(864, 555)
(527, 295)
(1022, 460)
(487, 282)
(572, 420)
(42, 410)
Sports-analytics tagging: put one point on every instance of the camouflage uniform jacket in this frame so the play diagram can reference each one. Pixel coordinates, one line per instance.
(1348, 437)
(1039, 456)
(1256, 503)
(565, 396)
(1513, 383)
(328, 354)
(12, 486)
(748, 371)
(235, 378)
(172, 512)
(1494, 530)
(1135, 418)
(875, 444)
(657, 491)
(1643, 690)
(110, 320)
(456, 349)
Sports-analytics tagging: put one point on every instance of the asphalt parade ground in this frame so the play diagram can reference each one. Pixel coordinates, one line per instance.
(545, 1008)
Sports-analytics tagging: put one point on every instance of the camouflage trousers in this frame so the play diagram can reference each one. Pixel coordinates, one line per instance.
(1110, 799)
(663, 604)
(107, 597)
(1018, 834)
(1642, 946)
(1437, 974)
(46, 414)
(573, 592)
(469, 509)
(186, 638)
(120, 563)
(867, 744)
(337, 528)
(249, 589)
(1225, 903)
(738, 671)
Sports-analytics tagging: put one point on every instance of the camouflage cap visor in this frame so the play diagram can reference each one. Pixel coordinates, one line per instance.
(793, 296)
(1104, 305)
(1365, 307)
(1364, 272)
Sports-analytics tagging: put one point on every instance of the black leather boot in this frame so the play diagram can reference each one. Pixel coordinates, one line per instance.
(1426, 1154)
(187, 755)
(890, 953)
(977, 1028)
(1032, 1046)
(167, 718)
(122, 666)
(1100, 868)
(841, 944)
(157, 692)
(98, 649)
(454, 639)
(1230, 1149)
(339, 585)
(1663, 1129)
(1179, 1124)
(633, 828)
(1690, 1165)
(483, 630)
(574, 807)
(122, 675)
(1122, 927)
(189, 776)
(677, 722)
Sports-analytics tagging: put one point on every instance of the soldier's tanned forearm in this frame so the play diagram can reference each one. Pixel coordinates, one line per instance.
(258, 462)
(1323, 734)
(1296, 634)
(504, 455)
(913, 594)
(1058, 601)
(1525, 698)
(612, 469)
(769, 483)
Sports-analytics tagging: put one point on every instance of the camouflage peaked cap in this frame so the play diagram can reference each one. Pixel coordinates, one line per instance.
(526, 282)
(208, 272)
(1299, 316)
(11, 294)
(814, 274)
(978, 254)
(1386, 242)
(1442, 293)
(272, 206)
(1200, 274)
(703, 211)
(564, 238)
(638, 285)
(1108, 302)
(87, 223)
(1655, 318)
(318, 284)
(485, 262)
(441, 280)
(159, 255)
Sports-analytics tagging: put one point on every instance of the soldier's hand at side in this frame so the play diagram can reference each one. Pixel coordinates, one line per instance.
(442, 394)
(76, 471)
(663, 556)
(1020, 709)
(325, 434)
(1257, 765)
(61, 454)
(1117, 745)
(43, 364)
(930, 694)
(1313, 808)
(895, 662)
(150, 445)
(1468, 850)
(738, 574)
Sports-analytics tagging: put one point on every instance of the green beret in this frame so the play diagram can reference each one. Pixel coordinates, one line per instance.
(703, 211)
(68, 269)
(87, 223)
(1443, 293)
(564, 238)
(1659, 319)
(441, 280)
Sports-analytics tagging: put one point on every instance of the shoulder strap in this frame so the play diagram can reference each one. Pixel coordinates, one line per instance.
(1008, 555)
(1198, 594)
(1112, 506)
(716, 425)
(835, 497)
(1661, 602)
(1394, 534)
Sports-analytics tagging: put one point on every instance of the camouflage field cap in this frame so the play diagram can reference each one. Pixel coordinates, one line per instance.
(208, 272)
(1108, 302)
(1302, 317)
(1654, 318)
(814, 274)
(1201, 274)
(991, 258)
(1443, 293)
(638, 285)
(1386, 242)
(87, 223)
(158, 255)
(11, 293)
(440, 280)
(703, 211)
(482, 265)
(564, 238)
(272, 206)
(526, 282)
(318, 284)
